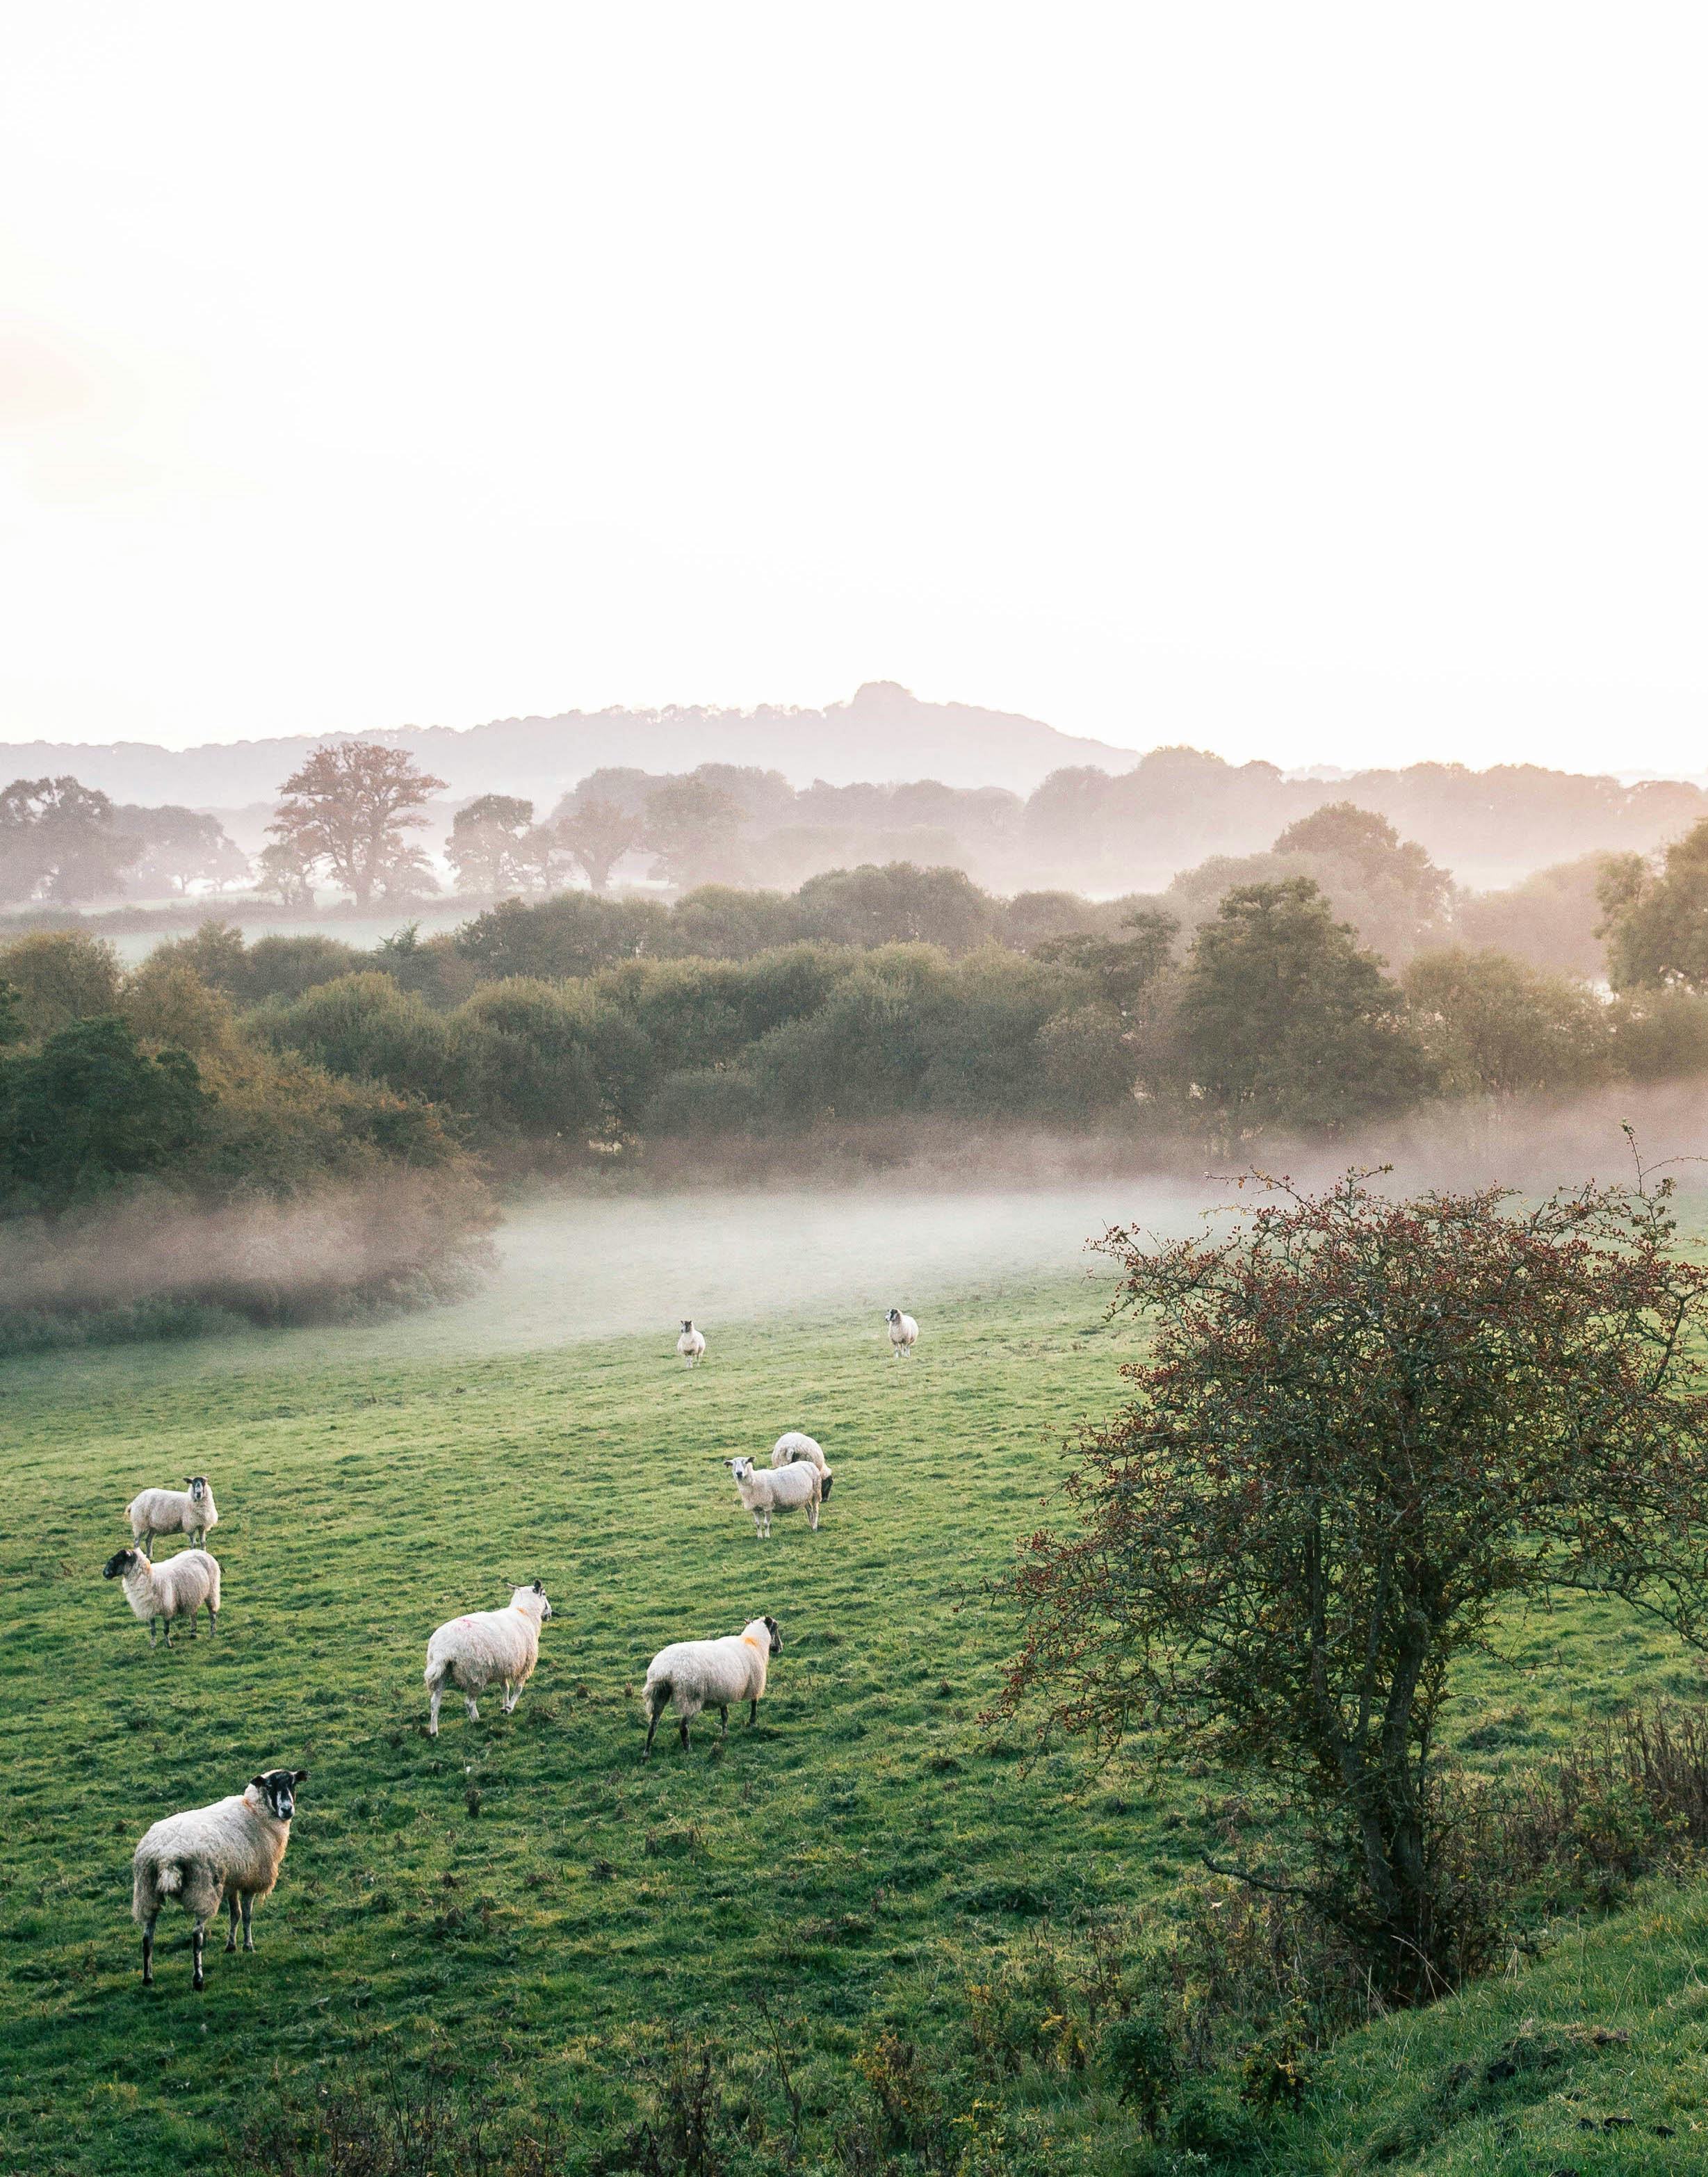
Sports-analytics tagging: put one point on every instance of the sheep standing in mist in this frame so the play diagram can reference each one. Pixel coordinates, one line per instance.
(904, 1330)
(794, 1445)
(188, 1511)
(691, 1345)
(489, 1648)
(231, 1850)
(177, 1587)
(788, 1488)
(691, 1675)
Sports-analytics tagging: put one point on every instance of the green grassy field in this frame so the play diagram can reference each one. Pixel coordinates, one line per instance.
(525, 1890)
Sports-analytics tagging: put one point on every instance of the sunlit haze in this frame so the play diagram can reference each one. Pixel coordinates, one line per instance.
(1323, 384)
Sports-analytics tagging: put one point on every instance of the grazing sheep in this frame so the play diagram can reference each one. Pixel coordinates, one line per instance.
(232, 1850)
(177, 1587)
(690, 1345)
(173, 1512)
(690, 1675)
(793, 1446)
(492, 1646)
(778, 1489)
(904, 1330)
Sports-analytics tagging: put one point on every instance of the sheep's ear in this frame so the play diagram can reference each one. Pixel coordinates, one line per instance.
(299, 1776)
(539, 1587)
(258, 1781)
(771, 1624)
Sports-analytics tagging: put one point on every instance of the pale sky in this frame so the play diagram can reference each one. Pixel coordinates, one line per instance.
(1325, 384)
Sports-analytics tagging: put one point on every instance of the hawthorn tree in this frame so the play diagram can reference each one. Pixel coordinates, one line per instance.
(1363, 1429)
(350, 806)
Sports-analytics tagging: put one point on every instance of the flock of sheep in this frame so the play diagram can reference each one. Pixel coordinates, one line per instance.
(231, 1851)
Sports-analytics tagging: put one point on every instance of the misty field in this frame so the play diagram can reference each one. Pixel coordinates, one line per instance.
(524, 1892)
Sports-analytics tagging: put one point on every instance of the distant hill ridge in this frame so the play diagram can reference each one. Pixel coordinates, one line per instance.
(884, 733)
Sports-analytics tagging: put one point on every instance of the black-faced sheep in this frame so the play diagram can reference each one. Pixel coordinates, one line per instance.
(177, 1587)
(231, 1850)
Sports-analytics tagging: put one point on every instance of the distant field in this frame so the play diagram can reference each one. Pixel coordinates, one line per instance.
(864, 1853)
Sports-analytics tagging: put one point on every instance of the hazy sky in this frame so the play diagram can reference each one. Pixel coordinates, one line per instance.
(1321, 383)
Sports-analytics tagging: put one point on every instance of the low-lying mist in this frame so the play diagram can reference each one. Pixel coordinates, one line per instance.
(951, 1211)
(154, 1264)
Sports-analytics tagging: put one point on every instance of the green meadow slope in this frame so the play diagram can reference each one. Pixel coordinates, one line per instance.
(1594, 2060)
(524, 1890)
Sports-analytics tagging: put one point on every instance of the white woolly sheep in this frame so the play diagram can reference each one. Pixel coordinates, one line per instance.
(177, 1587)
(489, 1648)
(778, 1489)
(904, 1330)
(691, 1345)
(793, 1446)
(188, 1511)
(231, 1850)
(690, 1675)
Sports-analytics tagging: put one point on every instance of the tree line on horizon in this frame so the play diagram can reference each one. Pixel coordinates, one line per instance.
(549, 1030)
(352, 815)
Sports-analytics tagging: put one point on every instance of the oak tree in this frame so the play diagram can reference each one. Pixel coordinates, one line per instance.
(350, 807)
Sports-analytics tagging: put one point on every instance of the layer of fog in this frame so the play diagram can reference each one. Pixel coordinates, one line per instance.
(568, 1266)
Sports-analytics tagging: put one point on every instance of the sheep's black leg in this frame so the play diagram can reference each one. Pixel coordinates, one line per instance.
(682, 1733)
(197, 1979)
(153, 1637)
(249, 1932)
(724, 1712)
(148, 1950)
(232, 1927)
(752, 1713)
(654, 1710)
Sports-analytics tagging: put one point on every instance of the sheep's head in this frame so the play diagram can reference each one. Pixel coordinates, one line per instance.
(198, 1487)
(894, 1315)
(740, 1468)
(278, 1790)
(530, 1598)
(687, 1326)
(776, 1633)
(119, 1563)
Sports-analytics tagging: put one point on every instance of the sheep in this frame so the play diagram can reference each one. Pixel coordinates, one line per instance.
(691, 1345)
(177, 1587)
(793, 1446)
(904, 1330)
(491, 1646)
(232, 1849)
(690, 1675)
(173, 1512)
(778, 1489)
